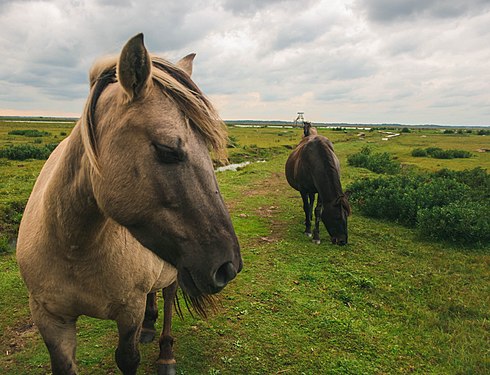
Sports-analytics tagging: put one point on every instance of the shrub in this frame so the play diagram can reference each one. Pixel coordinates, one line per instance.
(439, 153)
(446, 204)
(476, 178)
(419, 152)
(462, 221)
(386, 198)
(460, 154)
(432, 150)
(10, 216)
(376, 162)
(4, 244)
(29, 133)
(27, 151)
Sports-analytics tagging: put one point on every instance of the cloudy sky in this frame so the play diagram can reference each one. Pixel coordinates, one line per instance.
(357, 61)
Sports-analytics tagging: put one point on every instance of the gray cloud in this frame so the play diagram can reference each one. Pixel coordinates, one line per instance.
(345, 61)
(403, 10)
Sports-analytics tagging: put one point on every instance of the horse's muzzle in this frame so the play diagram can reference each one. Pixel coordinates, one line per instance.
(196, 286)
(339, 241)
(224, 275)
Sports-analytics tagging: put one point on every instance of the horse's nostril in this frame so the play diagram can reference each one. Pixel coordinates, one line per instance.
(224, 274)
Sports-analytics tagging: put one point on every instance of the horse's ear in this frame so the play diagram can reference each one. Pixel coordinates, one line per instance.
(185, 63)
(134, 67)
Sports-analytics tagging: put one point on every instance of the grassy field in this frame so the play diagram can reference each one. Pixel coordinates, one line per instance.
(390, 302)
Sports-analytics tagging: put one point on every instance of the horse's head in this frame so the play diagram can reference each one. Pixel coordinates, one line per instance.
(308, 129)
(148, 130)
(334, 216)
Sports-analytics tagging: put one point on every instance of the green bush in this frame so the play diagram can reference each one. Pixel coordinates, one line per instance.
(29, 133)
(10, 216)
(462, 221)
(476, 178)
(27, 151)
(399, 198)
(450, 154)
(419, 152)
(439, 153)
(432, 150)
(415, 200)
(380, 162)
(4, 244)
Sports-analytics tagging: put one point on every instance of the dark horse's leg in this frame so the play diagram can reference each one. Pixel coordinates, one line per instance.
(318, 217)
(148, 330)
(166, 360)
(59, 335)
(308, 200)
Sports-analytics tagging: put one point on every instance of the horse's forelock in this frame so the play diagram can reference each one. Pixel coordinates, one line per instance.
(182, 89)
(176, 84)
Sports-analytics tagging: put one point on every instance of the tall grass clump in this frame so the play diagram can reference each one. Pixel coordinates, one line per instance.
(27, 151)
(461, 221)
(445, 205)
(439, 153)
(378, 162)
(29, 133)
(10, 216)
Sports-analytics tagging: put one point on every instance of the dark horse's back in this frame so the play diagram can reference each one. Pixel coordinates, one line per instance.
(312, 166)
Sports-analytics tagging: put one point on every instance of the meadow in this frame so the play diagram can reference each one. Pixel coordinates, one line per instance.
(389, 302)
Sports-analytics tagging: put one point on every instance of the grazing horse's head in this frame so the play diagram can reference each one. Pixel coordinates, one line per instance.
(334, 216)
(147, 133)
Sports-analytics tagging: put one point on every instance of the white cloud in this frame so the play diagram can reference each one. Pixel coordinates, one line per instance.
(415, 61)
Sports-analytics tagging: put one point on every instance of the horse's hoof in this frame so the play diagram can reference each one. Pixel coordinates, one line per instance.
(317, 242)
(309, 235)
(167, 369)
(147, 336)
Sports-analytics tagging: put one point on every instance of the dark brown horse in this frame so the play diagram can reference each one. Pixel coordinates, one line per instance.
(126, 205)
(313, 168)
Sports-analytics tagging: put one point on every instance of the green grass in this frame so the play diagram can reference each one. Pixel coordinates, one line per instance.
(389, 302)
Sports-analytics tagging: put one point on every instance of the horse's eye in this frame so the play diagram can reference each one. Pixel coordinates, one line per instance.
(168, 154)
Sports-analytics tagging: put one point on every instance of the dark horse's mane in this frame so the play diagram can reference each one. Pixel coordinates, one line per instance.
(179, 87)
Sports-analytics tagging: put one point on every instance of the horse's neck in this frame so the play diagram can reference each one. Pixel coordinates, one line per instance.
(68, 198)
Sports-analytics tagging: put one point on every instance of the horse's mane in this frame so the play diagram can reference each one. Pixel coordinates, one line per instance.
(176, 84)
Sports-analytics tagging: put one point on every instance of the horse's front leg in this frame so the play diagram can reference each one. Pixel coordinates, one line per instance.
(127, 352)
(59, 335)
(307, 208)
(148, 330)
(318, 217)
(166, 360)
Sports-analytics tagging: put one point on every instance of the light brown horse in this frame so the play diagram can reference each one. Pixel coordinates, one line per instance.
(126, 205)
(313, 168)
